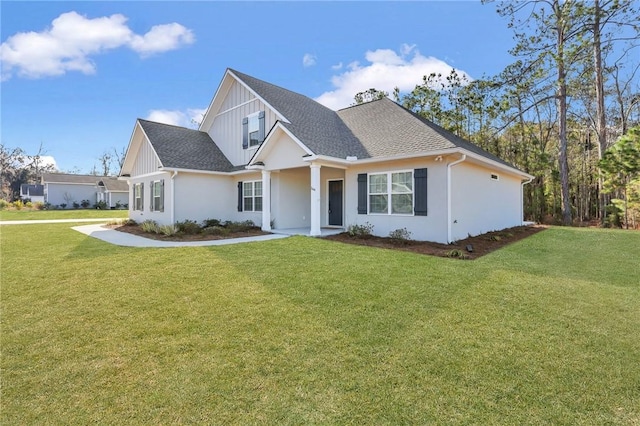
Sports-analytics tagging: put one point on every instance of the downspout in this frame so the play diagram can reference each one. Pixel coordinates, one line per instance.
(522, 198)
(173, 197)
(449, 166)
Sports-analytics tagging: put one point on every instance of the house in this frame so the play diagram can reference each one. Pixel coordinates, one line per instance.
(67, 189)
(35, 193)
(267, 154)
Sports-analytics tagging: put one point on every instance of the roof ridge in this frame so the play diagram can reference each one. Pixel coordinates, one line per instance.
(366, 103)
(170, 125)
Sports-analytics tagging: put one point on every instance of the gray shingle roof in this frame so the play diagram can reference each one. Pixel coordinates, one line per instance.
(182, 148)
(387, 129)
(113, 184)
(70, 178)
(315, 125)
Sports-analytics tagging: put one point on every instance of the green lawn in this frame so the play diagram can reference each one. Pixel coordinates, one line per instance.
(307, 331)
(61, 214)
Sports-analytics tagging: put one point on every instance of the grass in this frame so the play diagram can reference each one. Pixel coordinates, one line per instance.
(307, 331)
(61, 214)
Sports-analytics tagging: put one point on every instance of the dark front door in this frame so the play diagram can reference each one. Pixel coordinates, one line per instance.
(335, 202)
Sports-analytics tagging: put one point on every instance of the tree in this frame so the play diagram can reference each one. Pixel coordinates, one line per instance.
(369, 95)
(17, 167)
(620, 166)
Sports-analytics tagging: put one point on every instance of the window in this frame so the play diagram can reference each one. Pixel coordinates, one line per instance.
(391, 193)
(495, 176)
(157, 196)
(254, 129)
(138, 190)
(252, 196)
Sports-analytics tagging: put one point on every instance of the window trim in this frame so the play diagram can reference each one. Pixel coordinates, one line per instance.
(160, 196)
(255, 117)
(138, 196)
(253, 196)
(390, 193)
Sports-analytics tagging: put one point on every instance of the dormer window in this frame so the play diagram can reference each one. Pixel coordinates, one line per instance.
(253, 130)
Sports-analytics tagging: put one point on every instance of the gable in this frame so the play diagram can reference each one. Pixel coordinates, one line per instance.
(280, 151)
(140, 158)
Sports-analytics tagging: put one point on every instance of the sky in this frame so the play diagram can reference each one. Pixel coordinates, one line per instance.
(75, 76)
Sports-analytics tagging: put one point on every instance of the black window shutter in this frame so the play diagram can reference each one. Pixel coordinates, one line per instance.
(162, 195)
(245, 133)
(261, 126)
(240, 196)
(141, 196)
(420, 192)
(362, 193)
(151, 191)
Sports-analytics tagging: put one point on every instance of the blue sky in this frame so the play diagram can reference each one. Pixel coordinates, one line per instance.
(76, 75)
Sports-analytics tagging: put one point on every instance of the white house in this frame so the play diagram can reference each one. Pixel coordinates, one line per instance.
(282, 160)
(65, 188)
(34, 193)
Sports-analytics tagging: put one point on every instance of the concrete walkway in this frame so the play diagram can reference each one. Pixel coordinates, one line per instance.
(130, 240)
(33, 222)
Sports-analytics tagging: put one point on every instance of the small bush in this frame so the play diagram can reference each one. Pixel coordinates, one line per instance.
(128, 222)
(3, 204)
(168, 230)
(360, 231)
(76, 205)
(18, 204)
(401, 235)
(495, 238)
(38, 205)
(239, 226)
(100, 205)
(189, 227)
(28, 205)
(216, 230)
(457, 254)
(85, 204)
(63, 205)
(208, 223)
(150, 226)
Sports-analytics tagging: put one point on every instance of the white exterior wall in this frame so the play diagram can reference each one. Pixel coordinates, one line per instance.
(146, 160)
(480, 204)
(291, 198)
(55, 193)
(202, 196)
(233, 213)
(432, 227)
(123, 197)
(226, 130)
(164, 217)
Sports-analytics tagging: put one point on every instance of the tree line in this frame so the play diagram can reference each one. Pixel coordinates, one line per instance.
(571, 92)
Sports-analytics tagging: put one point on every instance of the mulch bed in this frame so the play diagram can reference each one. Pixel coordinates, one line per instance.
(481, 244)
(136, 230)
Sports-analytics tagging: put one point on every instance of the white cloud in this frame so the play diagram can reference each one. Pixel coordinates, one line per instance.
(190, 118)
(386, 69)
(48, 160)
(73, 39)
(337, 66)
(308, 60)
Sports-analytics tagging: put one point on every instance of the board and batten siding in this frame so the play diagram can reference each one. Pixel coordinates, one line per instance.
(146, 161)
(226, 130)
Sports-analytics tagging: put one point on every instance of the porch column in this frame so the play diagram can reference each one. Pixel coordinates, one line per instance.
(315, 200)
(266, 200)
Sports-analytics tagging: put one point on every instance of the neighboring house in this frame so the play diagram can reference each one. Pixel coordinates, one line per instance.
(282, 160)
(63, 188)
(35, 193)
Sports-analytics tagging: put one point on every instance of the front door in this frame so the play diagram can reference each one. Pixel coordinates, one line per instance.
(335, 203)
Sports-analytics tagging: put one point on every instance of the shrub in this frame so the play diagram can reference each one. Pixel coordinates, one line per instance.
(76, 205)
(150, 226)
(129, 222)
(3, 204)
(360, 231)
(215, 230)
(401, 235)
(28, 205)
(208, 223)
(457, 254)
(18, 204)
(239, 226)
(495, 238)
(63, 205)
(85, 203)
(168, 230)
(39, 205)
(188, 227)
(100, 205)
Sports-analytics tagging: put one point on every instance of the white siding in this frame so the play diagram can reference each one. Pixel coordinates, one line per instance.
(432, 227)
(226, 130)
(234, 214)
(164, 217)
(123, 197)
(59, 193)
(283, 153)
(146, 160)
(291, 198)
(480, 204)
(200, 197)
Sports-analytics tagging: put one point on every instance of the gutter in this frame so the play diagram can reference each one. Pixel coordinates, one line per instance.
(449, 166)
(173, 197)
(522, 197)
